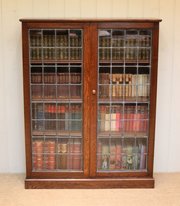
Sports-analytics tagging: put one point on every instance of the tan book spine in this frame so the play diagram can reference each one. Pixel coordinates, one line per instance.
(130, 85)
(120, 85)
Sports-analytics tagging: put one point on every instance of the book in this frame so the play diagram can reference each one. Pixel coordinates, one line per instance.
(142, 157)
(118, 160)
(105, 156)
(112, 162)
(37, 150)
(49, 157)
(62, 149)
(107, 121)
(70, 154)
(76, 155)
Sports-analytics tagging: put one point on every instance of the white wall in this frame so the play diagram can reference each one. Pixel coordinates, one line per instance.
(12, 155)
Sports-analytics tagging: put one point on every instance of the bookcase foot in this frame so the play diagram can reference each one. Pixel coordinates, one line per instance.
(89, 183)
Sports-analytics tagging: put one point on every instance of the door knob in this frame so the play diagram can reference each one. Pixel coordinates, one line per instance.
(93, 91)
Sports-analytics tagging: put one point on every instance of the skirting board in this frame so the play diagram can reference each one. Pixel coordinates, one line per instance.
(89, 183)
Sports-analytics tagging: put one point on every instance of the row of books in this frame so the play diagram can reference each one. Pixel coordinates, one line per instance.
(59, 78)
(55, 54)
(127, 85)
(52, 155)
(53, 111)
(128, 41)
(116, 157)
(123, 121)
(53, 92)
(124, 54)
(58, 41)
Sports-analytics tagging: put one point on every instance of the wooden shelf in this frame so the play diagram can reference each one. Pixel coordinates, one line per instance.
(60, 100)
(58, 133)
(55, 61)
(124, 61)
(114, 134)
(125, 100)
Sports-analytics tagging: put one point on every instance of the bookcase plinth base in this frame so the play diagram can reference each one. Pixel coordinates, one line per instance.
(89, 183)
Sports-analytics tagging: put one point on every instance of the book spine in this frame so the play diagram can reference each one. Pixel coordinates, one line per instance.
(105, 156)
(62, 151)
(143, 157)
(118, 156)
(70, 154)
(76, 155)
(49, 158)
(112, 162)
(37, 148)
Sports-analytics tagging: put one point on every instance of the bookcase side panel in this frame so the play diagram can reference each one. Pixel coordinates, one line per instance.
(26, 99)
(153, 95)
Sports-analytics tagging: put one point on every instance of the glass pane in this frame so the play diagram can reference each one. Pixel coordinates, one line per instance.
(35, 38)
(49, 91)
(49, 75)
(62, 54)
(36, 75)
(75, 38)
(62, 38)
(37, 91)
(48, 38)
(37, 111)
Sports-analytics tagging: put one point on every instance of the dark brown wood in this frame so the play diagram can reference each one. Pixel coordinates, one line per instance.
(52, 175)
(93, 98)
(89, 183)
(27, 100)
(153, 93)
(89, 177)
(86, 98)
(130, 20)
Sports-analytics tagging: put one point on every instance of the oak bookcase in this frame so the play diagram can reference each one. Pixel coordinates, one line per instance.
(90, 102)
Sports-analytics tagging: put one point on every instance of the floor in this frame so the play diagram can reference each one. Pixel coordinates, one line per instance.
(166, 193)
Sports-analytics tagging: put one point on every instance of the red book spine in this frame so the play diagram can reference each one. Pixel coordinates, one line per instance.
(118, 156)
(118, 122)
(49, 160)
(70, 155)
(131, 121)
(138, 116)
(134, 122)
(38, 155)
(76, 155)
(112, 157)
(128, 119)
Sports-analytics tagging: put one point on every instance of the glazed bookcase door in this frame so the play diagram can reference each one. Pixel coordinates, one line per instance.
(56, 100)
(123, 100)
